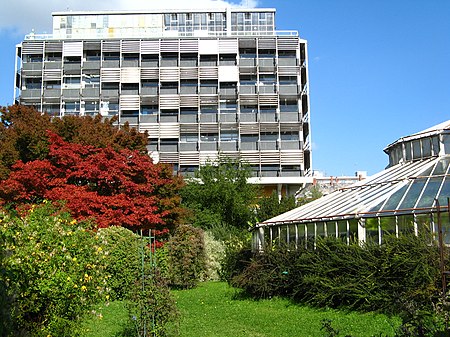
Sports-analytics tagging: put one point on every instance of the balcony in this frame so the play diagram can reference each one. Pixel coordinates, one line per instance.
(268, 145)
(110, 93)
(29, 66)
(289, 117)
(149, 91)
(228, 117)
(287, 62)
(91, 65)
(31, 93)
(189, 146)
(52, 93)
(53, 65)
(91, 92)
(111, 64)
(208, 118)
(247, 89)
(290, 145)
(249, 146)
(71, 93)
(229, 146)
(149, 118)
(291, 89)
(208, 146)
(248, 117)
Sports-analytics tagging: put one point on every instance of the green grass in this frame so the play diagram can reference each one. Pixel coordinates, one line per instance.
(111, 322)
(214, 309)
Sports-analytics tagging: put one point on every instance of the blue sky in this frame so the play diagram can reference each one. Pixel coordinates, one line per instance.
(378, 70)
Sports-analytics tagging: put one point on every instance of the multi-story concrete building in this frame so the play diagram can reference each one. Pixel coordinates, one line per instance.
(201, 82)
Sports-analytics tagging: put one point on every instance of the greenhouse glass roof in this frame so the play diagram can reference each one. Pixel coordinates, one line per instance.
(417, 176)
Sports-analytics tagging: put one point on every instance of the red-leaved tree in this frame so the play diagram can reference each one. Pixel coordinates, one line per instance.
(116, 188)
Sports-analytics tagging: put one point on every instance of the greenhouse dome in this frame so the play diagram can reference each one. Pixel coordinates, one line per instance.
(408, 195)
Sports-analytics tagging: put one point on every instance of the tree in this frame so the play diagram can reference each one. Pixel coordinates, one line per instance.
(271, 206)
(23, 134)
(116, 188)
(221, 195)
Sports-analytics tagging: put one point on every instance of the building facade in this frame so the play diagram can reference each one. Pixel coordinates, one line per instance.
(202, 83)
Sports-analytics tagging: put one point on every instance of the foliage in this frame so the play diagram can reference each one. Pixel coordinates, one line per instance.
(221, 195)
(308, 194)
(186, 260)
(236, 258)
(123, 261)
(23, 135)
(215, 251)
(53, 269)
(152, 308)
(116, 188)
(271, 206)
(400, 276)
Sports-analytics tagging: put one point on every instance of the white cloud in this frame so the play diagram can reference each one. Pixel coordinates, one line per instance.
(21, 16)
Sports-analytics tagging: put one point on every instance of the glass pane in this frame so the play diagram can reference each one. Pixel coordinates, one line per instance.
(372, 232)
(395, 198)
(283, 235)
(310, 235)
(320, 229)
(342, 228)
(413, 194)
(292, 235)
(353, 230)
(408, 152)
(301, 235)
(445, 192)
(426, 147)
(331, 229)
(405, 224)
(388, 225)
(441, 167)
(429, 194)
(267, 236)
(274, 235)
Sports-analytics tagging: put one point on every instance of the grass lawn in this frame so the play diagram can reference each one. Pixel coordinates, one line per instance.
(213, 309)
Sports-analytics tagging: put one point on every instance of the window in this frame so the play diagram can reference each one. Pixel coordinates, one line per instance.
(111, 56)
(33, 58)
(228, 136)
(289, 136)
(189, 137)
(72, 107)
(91, 81)
(209, 137)
(93, 55)
(33, 83)
(53, 57)
(72, 59)
(149, 109)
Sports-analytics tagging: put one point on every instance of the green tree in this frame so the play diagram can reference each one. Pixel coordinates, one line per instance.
(270, 206)
(220, 194)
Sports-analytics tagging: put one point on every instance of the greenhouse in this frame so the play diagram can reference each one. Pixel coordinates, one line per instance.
(411, 193)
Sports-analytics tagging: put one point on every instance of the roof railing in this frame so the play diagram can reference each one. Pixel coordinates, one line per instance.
(163, 34)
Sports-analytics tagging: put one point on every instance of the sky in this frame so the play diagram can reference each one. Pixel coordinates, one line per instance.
(378, 70)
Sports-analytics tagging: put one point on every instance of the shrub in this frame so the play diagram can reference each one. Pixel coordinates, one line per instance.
(186, 260)
(152, 308)
(215, 251)
(401, 276)
(123, 260)
(53, 271)
(237, 256)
